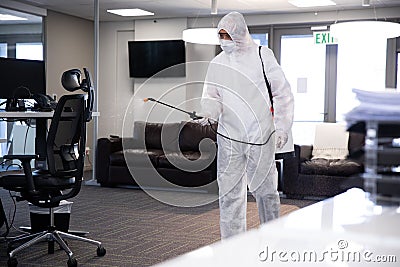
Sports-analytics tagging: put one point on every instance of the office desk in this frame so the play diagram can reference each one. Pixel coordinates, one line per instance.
(26, 114)
(346, 230)
(41, 128)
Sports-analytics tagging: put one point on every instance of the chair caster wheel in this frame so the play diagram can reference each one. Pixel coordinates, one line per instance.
(12, 262)
(72, 262)
(101, 251)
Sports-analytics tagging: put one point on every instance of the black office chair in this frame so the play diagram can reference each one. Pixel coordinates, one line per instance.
(46, 188)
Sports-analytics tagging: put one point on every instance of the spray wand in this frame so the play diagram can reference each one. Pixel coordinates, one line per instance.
(192, 115)
(195, 117)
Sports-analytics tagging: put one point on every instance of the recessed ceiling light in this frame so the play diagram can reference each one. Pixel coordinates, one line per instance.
(130, 12)
(10, 17)
(365, 3)
(312, 3)
(201, 36)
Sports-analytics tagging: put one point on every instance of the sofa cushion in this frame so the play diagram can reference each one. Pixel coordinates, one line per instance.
(305, 152)
(157, 135)
(330, 141)
(356, 147)
(190, 160)
(192, 134)
(331, 167)
(135, 156)
(330, 153)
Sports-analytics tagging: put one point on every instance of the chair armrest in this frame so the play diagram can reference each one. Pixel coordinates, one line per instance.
(305, 152)
(105, 147)
(115, 143)
(26, 165)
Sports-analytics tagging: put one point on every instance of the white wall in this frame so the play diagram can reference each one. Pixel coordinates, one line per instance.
(159, 29)
(69, 43)
(197, 58)
(108, 89)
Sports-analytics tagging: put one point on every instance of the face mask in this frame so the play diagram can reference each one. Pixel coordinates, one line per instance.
(227, 45)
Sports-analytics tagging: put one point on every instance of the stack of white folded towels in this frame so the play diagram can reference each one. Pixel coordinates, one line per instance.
(375, 105)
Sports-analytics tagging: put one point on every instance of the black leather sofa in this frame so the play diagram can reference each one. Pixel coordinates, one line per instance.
(162, 144)
(170, 150)
(320, 177)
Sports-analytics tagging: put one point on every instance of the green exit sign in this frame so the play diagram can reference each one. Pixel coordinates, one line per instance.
(324, 38)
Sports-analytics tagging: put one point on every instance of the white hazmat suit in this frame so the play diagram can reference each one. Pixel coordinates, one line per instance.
(235, 94)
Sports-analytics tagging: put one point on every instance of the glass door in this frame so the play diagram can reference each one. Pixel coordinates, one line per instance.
(398, 72)
(361, 65)
(303, 63)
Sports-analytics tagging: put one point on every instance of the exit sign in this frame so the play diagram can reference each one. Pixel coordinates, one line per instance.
(324, 38)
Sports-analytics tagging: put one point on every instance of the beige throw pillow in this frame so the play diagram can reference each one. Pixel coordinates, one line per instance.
(331, 141)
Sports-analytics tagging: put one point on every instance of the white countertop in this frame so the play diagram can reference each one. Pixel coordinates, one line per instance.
(346, 230)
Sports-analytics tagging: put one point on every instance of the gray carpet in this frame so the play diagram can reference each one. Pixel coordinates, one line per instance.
(135, 229)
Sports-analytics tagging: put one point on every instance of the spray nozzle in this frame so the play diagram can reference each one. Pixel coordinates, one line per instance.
(193, 116)
(149, 99)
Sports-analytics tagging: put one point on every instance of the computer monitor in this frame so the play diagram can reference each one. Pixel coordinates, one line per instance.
(17, 75)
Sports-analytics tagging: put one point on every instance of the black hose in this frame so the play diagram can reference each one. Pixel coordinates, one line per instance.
(240, 141)
(195, 117)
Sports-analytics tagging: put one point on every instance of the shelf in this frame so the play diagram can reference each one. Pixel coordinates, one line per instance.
(389, 157)
(382, 161)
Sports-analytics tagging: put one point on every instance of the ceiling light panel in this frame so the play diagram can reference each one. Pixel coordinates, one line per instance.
(130, 12)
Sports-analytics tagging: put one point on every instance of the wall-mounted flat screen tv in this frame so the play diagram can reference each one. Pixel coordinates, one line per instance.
(147, 58)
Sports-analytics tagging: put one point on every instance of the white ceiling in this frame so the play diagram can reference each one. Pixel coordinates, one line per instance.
(191, 8)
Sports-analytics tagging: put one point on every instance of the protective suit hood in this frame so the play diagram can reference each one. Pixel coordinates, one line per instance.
(235, 25)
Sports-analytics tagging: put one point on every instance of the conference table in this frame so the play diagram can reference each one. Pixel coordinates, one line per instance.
(346, 230)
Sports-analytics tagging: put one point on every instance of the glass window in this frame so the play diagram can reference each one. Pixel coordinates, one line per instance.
(32, 51)
(3, 50)
(260, 38)
(303, 63)
(361, 65)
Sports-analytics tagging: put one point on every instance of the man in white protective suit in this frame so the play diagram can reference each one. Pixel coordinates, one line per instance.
(235, 94)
